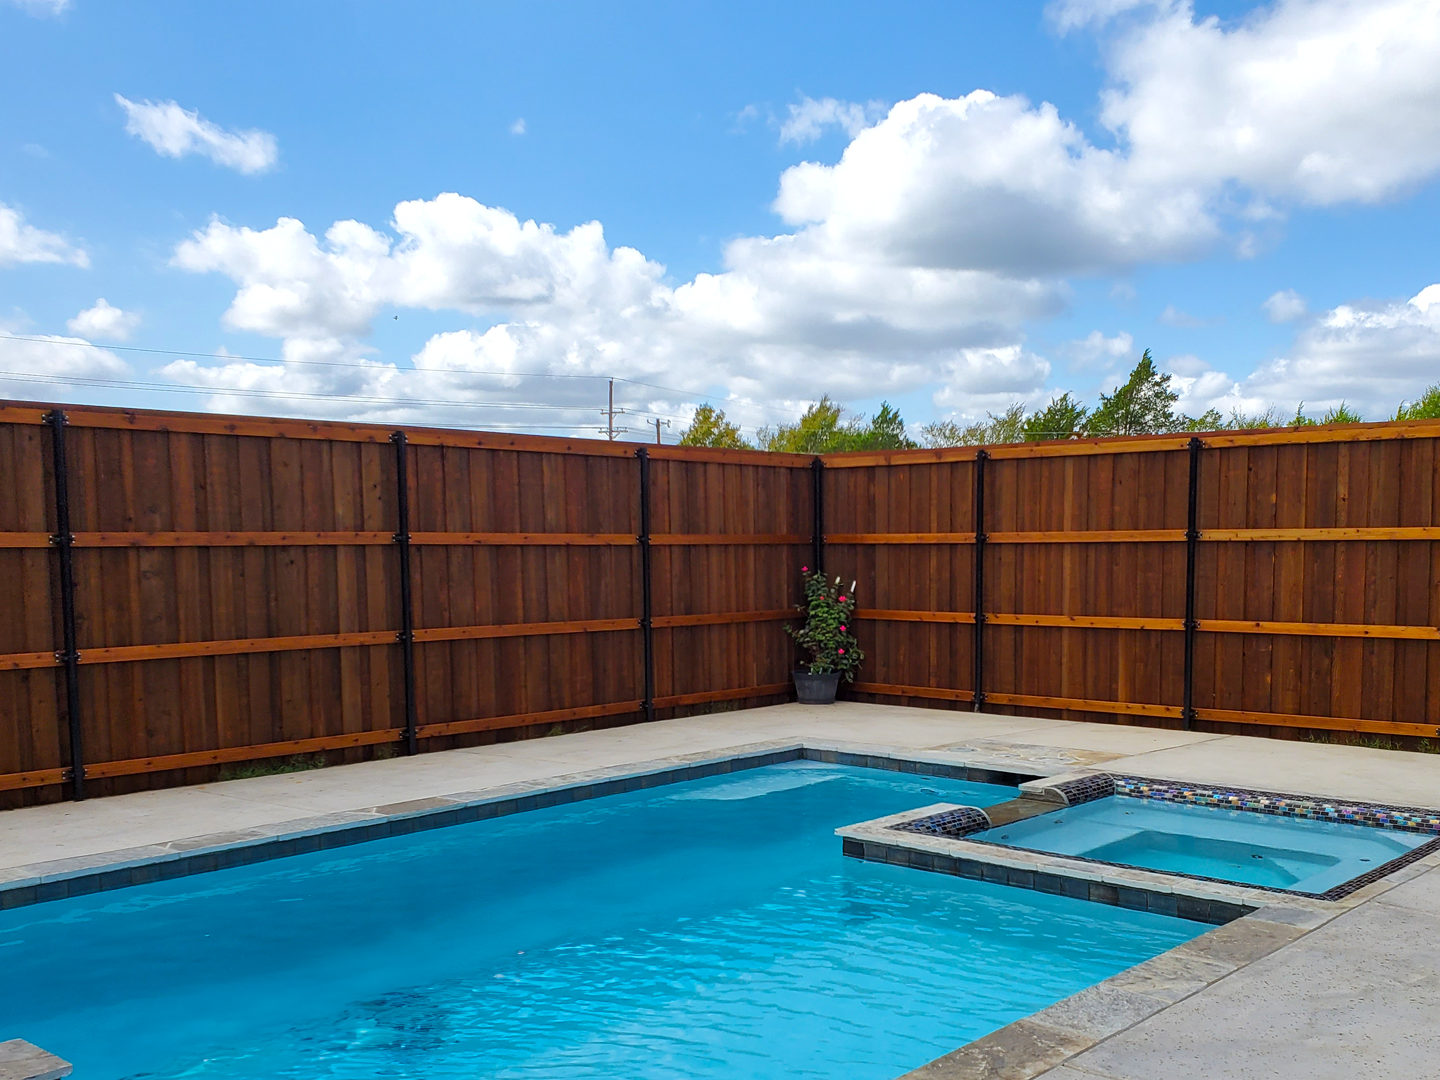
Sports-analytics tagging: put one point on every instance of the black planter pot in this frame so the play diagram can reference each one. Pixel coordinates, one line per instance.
(816, 689)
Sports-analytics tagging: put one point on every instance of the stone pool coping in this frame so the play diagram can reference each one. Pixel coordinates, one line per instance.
(1041, 1044)
(1120, 886)
(20, 1060)
(897, 838)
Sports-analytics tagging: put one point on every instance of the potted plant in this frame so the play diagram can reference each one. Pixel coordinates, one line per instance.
(826, 636)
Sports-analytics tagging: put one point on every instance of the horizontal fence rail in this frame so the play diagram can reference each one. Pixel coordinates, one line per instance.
(1090, 567)
(190, 592)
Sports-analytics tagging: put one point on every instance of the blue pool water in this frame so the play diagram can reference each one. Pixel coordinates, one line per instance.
(1233, 845)
(707, 929)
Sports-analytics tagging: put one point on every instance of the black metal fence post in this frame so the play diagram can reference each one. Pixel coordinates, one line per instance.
(647, 628)
(817, 473)
(980, 458)
(64, 540)
(406, 636)
(1192, 543)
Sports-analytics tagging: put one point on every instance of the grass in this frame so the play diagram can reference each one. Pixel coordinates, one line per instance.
(245, 770)
(1376, 742)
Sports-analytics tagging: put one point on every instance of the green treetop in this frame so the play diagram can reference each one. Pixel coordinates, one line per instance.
(708, 427)
(824, 429)
(1143, 405)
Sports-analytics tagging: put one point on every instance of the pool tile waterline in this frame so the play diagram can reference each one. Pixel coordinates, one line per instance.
(82, 876)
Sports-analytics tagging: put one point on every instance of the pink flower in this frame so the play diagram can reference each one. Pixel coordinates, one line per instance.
(842, 652)
(842, 599)
(804, 569)
(842, 629)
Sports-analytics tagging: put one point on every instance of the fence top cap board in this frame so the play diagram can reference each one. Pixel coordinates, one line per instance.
(1129, 444)
(97, 416)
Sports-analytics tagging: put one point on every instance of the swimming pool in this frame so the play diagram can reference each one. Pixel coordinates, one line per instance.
(1288, 853)
(706, 929)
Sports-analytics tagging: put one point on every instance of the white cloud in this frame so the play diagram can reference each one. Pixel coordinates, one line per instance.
(1097, 350)
(43, 7)
(916, 258)
(1173, 316)
(518, 127)
(175, 132)
(809, 119)
(1066, 15)
(569, 304)
(977, 381)
(104, 321)
(1370, 356)
(49, 367)
(992, 183)
(21, 242)
(1318, 101)
(1284, 306)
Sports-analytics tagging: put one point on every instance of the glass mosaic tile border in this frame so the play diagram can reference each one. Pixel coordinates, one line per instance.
(1403, 818)
(962, 821)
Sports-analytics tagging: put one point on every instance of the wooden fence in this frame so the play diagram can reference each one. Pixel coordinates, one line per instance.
(1282, 580)
(252, 588)
(184, 591)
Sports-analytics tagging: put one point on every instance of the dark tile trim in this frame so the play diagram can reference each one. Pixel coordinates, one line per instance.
(1214, 912)
(104, 878)
(962, 821)
(956, 823)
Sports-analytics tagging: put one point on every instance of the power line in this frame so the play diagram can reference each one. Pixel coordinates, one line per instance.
(244, 392)
(379, 367)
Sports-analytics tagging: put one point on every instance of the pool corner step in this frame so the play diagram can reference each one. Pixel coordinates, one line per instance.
(20, 1060)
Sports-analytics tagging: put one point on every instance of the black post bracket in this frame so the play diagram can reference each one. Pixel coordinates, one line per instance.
(980, 538)
(69, 654)
(1192, 544)
(647, 622)
(817, 473)
(406, 634)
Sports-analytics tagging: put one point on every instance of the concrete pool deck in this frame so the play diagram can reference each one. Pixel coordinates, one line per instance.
(1305, 992)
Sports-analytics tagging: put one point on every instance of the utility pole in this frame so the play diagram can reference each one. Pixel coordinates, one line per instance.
(658, 423)
(610, 412)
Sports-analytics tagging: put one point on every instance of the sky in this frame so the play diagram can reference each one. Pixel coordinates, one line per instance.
(478, 214)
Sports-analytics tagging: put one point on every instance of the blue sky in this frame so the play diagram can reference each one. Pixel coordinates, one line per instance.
(1172, 190)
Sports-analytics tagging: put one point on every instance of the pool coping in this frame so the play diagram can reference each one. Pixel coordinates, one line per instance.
(38, 883)
(1198, 900)
(1059, 794)
(1034, 1045)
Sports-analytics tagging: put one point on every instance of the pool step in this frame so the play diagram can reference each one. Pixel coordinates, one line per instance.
(20, 1060)
(1007, 813)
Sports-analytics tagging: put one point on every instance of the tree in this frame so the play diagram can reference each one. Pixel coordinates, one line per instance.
(1143, 405)
(1240, 421)
(824, 429)
(1209, 420)
(1008, 427)
(1340, 414)
(1063, 417)
(886, 431)
(819, 431)
(1426, 407)
(708, 427)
